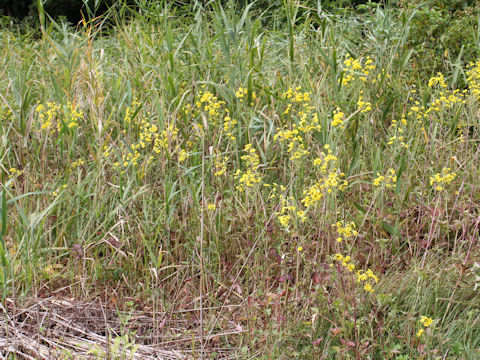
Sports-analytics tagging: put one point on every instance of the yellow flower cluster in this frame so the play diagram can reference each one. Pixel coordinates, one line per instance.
(211, 207)
(106, 151)
(382, 74)
(163, 141)
(250, 177)
(130, 158)
(55, 192)
(284, 220)
(242, 93)
(446, 100)
(73, 114)
(187, 109)
(250, 158)
(293, 136)
(338, 117)
(398, 129)
(417, 111)
(215, 110)
(334, 180)
(229, 126)
(473, 78)
(344, 261)
(296, 95)
(326, 160)
(48, 114)
(14, 172)
(288, 210)
(356, 69)
(302, 215)
(182, 155)
(368, 278)
(77, 163)
(426, 322)
(309, 121)
(462, 127)
(246, 179)
(313, 194)
(330, 179)
(388, 181)
(277, 190)
(297, 150)
(437, 80)
(220, 165)
(363, 106)
(296, 134)
(345, 230)
(210, 104)
(400, 139)
(439, 180)
(441, 99)
(283, 215)
(53, 113)
(150, 137)
(129, 113)
(5, 112)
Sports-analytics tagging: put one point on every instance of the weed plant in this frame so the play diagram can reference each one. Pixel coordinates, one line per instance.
(302, 184)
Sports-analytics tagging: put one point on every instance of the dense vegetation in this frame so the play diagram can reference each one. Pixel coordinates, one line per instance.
(305, 182)
(72, 9)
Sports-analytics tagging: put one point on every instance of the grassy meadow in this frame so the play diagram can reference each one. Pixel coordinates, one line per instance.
(297, 184)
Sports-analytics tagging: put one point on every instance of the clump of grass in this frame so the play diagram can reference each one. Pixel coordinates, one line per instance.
(194, 161)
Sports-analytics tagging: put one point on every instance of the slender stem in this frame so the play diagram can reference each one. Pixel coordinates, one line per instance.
(202, 216)
(430, 232)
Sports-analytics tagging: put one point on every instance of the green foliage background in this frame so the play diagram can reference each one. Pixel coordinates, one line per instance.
(440, 29)
(75, 218)
(72, 8)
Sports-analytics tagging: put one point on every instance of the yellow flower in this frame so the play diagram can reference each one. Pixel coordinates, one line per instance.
(388, 181)
(220, 163)
(241, 92)
(77, 163)
(363, 106)
(368, 287)
(370, 275)
(420, 332)
(14, 172)
(426, 321)
(445, 177)
(211, 207)
(250, 177)
(302, 216)
(361, 276)
(346, 230)
(364, 276)
(284, 220)
(439, 79)
(338, 117)
(183, 155)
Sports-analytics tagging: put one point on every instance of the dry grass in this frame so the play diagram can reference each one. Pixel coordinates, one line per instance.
(55, 328)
